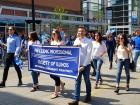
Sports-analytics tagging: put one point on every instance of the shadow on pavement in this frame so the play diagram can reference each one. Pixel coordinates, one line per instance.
(114, 76)
(101, 101)
(44, 88)
(132, 91)
(13, 99)
(70, 93)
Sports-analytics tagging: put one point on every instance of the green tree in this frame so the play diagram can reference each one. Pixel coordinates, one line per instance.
(59, 13)
(100, 15)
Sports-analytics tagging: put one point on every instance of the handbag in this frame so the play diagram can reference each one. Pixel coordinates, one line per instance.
(132, 65)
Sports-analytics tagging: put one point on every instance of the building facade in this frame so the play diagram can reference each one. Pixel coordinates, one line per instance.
(50, 12)
(125, 16)
(94, 11)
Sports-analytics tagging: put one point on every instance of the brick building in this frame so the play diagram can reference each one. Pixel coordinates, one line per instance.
(15, 12)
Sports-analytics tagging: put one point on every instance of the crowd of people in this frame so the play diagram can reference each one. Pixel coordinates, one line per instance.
(93, 47)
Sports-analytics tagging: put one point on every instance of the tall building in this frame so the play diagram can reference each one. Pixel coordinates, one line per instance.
(125, 16)
(94, 11)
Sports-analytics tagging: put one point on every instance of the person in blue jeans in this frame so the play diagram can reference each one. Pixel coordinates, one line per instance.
(123, 53)
(136, 46)
(34, 40)
(85, 58)
(97, 64)
(98, 51)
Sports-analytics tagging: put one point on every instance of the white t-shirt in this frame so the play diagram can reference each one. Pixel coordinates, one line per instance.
(33, 43)
(57, 42)
(98, 49)
(122, 53)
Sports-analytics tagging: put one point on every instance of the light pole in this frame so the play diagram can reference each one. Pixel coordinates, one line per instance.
(33, 15)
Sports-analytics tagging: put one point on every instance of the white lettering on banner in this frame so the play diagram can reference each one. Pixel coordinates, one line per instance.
(57, 64)
(47, 51)
(42, 51)
(64, 52)
(51, 69)
(43, 62)
(60, 64)
(41, 67)
(52, 63)
(63, 70)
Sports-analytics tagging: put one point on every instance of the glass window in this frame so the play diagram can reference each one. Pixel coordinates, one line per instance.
(118, 2)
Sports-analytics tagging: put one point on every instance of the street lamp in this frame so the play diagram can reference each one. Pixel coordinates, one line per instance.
(33, 15)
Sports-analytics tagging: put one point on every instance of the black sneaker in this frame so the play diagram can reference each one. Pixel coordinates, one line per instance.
(20, 83)
(87, 99)
(93, 74)
(127, 88)
(2, 85)
(73, 103)
(117, 90)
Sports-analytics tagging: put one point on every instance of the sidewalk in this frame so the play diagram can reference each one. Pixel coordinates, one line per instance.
(13, 95)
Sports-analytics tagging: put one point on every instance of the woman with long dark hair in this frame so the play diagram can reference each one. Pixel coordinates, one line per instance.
(123, 53)
(34, 40)
(99, 49)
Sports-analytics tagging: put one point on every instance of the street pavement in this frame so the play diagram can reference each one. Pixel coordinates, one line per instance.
(14, 95)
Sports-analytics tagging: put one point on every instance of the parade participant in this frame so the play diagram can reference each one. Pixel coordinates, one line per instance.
(13, 50)
(59, 85)
(85, 58)
(110, 44)
(136, 46)
(98, 51)
(34, 40)
(123, 53)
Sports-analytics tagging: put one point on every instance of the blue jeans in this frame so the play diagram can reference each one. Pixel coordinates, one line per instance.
(97, 64)
(136, 55)
(121, 63)
(35, 77)
(110, 54)
(86, 74)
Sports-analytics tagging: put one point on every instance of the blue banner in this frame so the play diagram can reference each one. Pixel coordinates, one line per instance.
(58, 60)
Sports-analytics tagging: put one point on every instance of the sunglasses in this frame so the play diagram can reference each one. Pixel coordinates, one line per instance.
(121, 38)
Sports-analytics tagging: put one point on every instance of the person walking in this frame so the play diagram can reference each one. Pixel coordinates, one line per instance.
(136, 46)
(59, 85)
(123, 59)
(85, 45)
(34, 40)
(98, 51)
(13, 50)
(110, 44)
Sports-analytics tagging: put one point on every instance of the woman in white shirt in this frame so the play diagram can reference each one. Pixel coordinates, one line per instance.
(59, 85)
(33, 40)
(98, 51)
(123, 52)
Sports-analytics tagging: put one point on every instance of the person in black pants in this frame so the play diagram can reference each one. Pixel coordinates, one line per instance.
(59, 85)
(13, 49)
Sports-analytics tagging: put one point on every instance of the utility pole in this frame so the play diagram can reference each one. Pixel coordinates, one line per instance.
(33, 15)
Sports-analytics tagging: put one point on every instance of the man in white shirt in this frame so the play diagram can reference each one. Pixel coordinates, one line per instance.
(85, 58)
